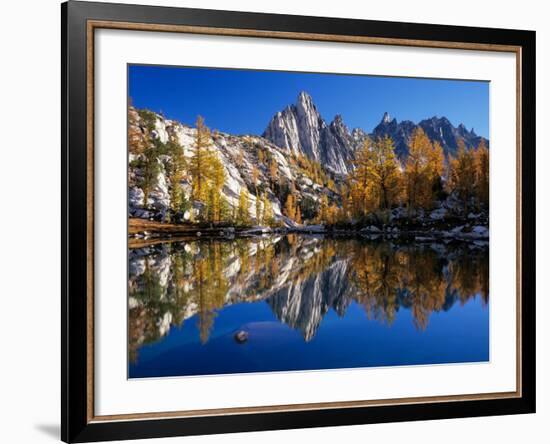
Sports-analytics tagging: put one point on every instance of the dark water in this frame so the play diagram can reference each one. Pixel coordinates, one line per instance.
(306, 303)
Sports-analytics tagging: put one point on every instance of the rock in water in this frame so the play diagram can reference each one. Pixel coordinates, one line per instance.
(241, 336)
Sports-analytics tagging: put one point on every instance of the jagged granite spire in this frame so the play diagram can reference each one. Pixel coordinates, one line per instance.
(301, 129)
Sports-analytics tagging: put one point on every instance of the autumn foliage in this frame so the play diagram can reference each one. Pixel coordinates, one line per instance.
(423, 170)
(379, 181)
(468, 176)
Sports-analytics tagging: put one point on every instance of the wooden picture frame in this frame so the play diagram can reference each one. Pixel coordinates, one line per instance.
(79, 22)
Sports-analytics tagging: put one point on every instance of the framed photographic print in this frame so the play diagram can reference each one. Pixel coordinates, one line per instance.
(276, 221)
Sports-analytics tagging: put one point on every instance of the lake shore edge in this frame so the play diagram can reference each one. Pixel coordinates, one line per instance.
(144, 232)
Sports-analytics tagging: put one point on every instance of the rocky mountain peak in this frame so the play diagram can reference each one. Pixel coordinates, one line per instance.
(305, 101)
(338, 120)
(338, 125)
(301, 129)
(438, 129)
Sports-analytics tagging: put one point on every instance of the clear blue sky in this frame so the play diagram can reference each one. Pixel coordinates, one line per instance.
(243, 101)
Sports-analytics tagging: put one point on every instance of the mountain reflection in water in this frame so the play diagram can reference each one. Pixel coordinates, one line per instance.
(178, 291)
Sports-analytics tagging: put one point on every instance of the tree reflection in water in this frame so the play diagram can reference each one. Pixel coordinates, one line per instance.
(300, 277)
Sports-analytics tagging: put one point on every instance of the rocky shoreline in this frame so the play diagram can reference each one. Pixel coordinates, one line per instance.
(472, 230)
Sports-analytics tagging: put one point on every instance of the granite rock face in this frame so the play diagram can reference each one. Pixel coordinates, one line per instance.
(246, 159)
(298, 130)
(301, 129)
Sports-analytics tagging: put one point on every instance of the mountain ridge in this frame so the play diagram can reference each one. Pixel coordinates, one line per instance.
(438, 129)
(242, 164)
(300, 161)
(300, 128)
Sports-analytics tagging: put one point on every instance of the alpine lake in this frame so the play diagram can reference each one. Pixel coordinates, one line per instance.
(296, 301)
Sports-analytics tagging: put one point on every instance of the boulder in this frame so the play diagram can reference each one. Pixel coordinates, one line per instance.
(457, 230)
(159, 198)
(480, 231)
(256, 230)
(241, 337)
(398, 213)
(424, 239)
(135, 197)
(438, 214)
(310, 228)
(371, 229)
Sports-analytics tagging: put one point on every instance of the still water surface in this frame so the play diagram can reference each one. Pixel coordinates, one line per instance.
(304, 303)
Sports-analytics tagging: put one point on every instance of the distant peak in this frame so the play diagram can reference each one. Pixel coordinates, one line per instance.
(436, 120)
(386, 118)
(338, 119)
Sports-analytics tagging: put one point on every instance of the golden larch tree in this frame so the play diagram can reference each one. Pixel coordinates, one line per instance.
(175, 173)
(201, 161)
(259, 215)
(462, 175)
(290, 208)
(377, 173)
(261, 156)
(298, 216)
(267, 210)
(136, 137)
(482, 174)
(243, 215)
(322, 216)
(219, 205)
(423, 168)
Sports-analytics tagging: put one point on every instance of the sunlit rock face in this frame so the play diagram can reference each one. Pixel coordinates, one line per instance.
(296, 131)
(243, 158)
(301, 129)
